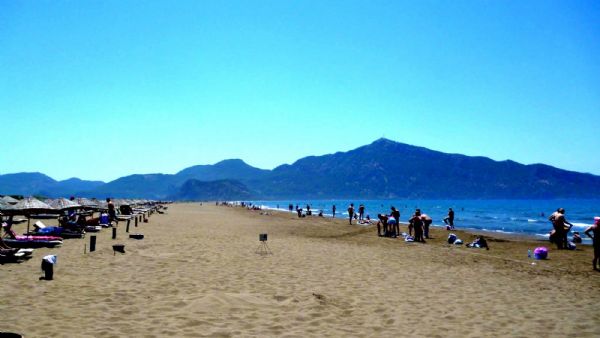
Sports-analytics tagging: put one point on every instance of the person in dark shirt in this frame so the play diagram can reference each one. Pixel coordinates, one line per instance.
(333, 209)
(361, 212)
(417, 224)
(112, 214)
(350, 212)
(396, 215)
(449, 220)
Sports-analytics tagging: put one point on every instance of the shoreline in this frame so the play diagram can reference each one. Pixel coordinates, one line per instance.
(502, 235)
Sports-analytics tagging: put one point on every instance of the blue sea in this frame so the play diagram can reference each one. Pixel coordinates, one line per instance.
(520, 217)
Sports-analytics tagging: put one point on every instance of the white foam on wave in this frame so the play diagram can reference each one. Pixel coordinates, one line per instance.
(580, 225)
(529, 220)
(499, 231)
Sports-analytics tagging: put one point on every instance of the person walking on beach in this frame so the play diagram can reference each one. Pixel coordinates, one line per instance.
(333, 210)
(361, 212)
(396, 215)
(595, 230)
(449, 220)
(350, 212)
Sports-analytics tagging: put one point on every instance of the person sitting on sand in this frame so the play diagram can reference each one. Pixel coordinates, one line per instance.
(382, 224)
(479, 242)
(595, 230)
(577, 238)
(426, 223)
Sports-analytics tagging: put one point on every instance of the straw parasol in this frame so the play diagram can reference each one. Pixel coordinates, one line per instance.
(63, 204)
(87, 203)
(29, 206)
(9, 200)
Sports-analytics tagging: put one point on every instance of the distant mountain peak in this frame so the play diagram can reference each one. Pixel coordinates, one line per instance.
(232, 161)
(383, 140)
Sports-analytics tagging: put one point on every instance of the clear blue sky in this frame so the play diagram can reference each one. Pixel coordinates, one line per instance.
(103, 89)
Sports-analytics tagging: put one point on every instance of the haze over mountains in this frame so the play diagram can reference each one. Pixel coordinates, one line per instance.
(383, 169)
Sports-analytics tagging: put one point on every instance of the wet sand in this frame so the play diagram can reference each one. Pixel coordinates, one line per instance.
(196, 274)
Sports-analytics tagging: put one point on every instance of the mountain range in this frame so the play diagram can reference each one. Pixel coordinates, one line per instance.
(383, 169)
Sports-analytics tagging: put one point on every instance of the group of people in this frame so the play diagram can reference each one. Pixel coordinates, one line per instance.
(560, 231)
(388, 225)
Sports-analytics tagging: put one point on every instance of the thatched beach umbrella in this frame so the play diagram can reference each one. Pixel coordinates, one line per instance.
(63, 204)
(87, 203)
(9, 200)
(29, 206)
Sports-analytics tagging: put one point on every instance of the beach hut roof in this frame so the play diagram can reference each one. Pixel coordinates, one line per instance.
(9, 200)
(63, 203)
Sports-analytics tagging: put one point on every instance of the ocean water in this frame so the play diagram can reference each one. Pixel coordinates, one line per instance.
(524, 217)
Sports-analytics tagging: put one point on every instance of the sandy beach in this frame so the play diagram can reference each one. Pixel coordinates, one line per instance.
(196, 274)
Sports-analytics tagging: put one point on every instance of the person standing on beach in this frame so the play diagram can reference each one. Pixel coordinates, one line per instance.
(417, 223)
(361, 212)
(556, 233)
(396, 215)
(333, 210)
(449, 220)
(595, 229)
(562, 227)
(112, 214)
(426, 223)
(350, 212)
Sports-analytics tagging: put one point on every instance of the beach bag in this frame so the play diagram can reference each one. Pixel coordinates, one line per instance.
(104, 219)
(451, 238)
(540, 252)
(409, 239)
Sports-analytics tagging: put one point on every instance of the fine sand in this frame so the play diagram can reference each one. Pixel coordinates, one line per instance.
(196, 274)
